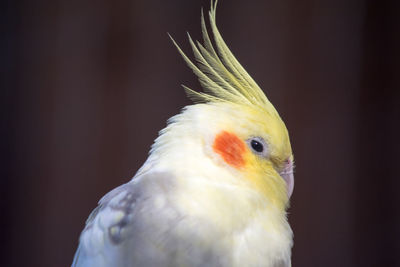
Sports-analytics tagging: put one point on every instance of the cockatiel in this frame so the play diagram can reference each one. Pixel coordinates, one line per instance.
(215, 187)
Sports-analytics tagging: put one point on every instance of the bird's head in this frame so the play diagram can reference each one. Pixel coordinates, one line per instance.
(255, 142)
(250, 141)
(244, 131)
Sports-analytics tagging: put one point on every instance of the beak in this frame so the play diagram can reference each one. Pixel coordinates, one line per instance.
(287, 175)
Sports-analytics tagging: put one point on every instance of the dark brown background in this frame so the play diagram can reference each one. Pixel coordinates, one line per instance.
(86, 85)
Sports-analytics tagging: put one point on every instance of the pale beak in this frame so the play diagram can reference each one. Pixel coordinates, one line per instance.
(287, 175)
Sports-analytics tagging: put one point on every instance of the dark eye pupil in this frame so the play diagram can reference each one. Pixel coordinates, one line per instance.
(257, 146)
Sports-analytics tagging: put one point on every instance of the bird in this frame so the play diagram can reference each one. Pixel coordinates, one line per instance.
(216, 186)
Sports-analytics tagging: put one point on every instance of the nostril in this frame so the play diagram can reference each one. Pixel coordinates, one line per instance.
(289, 164)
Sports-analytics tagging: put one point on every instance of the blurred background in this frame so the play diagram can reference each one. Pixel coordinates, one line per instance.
(86, 86)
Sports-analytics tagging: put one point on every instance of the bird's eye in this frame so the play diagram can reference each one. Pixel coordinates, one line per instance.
(258, 146)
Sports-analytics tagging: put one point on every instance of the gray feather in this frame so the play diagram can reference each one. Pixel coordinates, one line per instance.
(136, 225)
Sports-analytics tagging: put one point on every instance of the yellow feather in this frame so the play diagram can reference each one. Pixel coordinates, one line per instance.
(224, 80)
(220, 74)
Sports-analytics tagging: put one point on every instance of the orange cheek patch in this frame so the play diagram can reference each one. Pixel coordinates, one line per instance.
(230, 148)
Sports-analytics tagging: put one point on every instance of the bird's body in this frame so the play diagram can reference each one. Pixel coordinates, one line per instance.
(214, 190)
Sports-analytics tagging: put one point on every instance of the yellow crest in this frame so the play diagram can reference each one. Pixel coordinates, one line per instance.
(220, 73)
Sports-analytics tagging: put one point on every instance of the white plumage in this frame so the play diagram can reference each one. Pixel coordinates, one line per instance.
(205, 196)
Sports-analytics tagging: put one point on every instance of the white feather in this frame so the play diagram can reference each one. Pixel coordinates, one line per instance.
(182, 210)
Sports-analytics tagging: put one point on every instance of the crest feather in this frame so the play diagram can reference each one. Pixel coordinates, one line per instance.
(220, 74)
